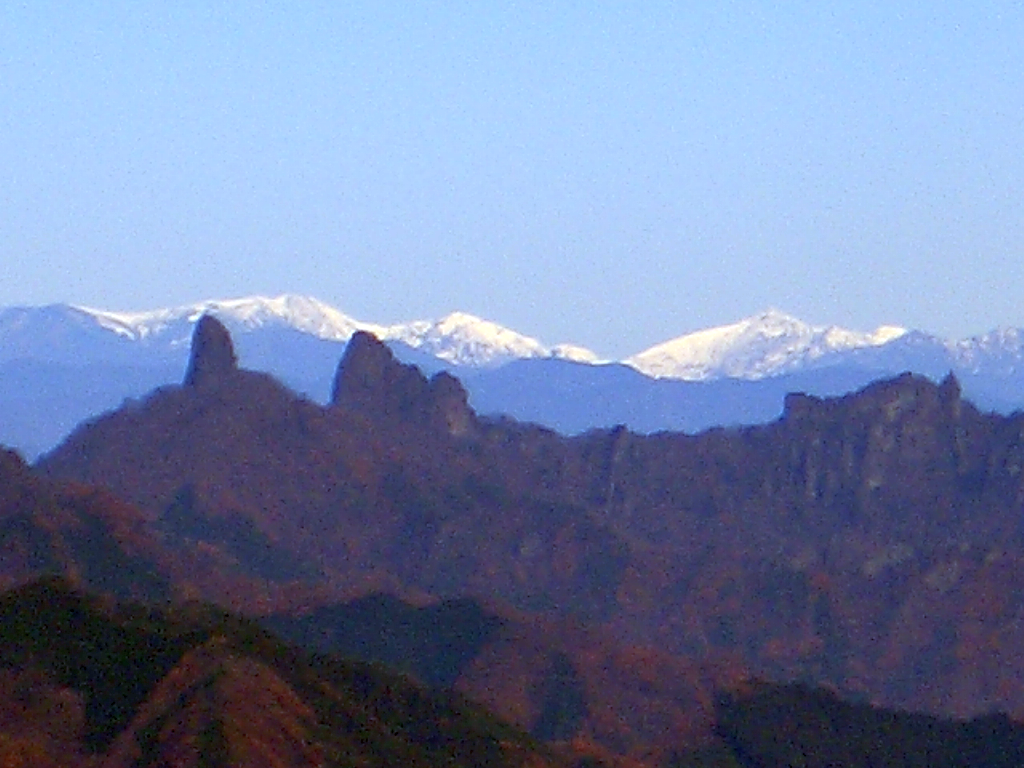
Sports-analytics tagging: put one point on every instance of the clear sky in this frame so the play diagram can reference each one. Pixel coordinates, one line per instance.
(608, 173)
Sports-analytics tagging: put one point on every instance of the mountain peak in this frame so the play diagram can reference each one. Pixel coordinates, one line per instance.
(458, 338)
(304, 313)
(460, 319)
(361, 369)
(464, 339)
(775, 320)
(213, 354)
(371, 381)
(762, 345)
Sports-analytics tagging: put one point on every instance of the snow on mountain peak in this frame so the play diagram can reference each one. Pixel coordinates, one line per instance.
(458, 338)
(575, 354)
(766, 344)
(465, 339)
(303, 313)
(773, 322)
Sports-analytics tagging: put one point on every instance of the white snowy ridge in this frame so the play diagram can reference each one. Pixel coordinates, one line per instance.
(760, 346)
(457, 338)
(300, 312)
(757, 347)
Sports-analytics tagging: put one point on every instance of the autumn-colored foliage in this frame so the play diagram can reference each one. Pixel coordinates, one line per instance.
(89, 682)
(871, 543)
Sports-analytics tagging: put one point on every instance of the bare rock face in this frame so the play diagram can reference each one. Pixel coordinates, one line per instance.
(213, 354)
(449, 404)
(371, 381)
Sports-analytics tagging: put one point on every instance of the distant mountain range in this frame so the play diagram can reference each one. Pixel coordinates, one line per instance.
(61, 364)
(457, 339)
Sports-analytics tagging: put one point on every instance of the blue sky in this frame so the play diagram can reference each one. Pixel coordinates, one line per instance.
(608, 173)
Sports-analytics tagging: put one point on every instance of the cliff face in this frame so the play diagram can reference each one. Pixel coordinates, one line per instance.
(900, 459)
(871, 541)
(861, 541)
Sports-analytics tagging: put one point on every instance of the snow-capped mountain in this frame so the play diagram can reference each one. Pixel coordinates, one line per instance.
(762, 346)
(174, 325)
(61, 364)
(466, 340)
(768, 344)
(999, 352)
(458, 339)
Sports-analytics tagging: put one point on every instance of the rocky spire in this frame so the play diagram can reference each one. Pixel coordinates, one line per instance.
(949, 389)
(361, 369)
(213, 354)
(371, 381)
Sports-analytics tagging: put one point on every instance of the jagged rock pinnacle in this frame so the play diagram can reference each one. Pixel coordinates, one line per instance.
(213, 354)
(362, 370)
(949, 389)
(370, 380)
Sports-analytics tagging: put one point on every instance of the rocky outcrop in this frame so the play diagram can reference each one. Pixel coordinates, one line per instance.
(213, 354)
(370, 381)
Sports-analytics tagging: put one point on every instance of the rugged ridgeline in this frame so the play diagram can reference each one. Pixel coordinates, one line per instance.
(871, 542)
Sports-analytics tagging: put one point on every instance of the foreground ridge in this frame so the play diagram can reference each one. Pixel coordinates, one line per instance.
(191, 685)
